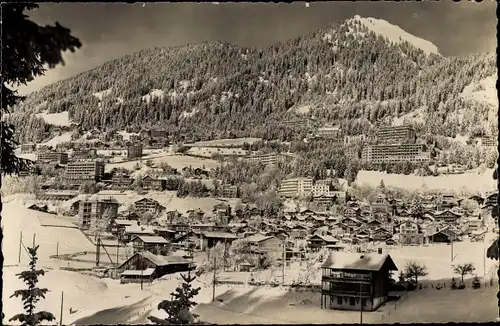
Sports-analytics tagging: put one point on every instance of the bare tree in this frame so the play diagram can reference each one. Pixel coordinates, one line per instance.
(415, 270)
(464, 269)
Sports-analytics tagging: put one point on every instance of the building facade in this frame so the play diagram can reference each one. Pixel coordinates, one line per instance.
(352, 281)
(79, 172)
(396, 135)
(134, 151)
(92, 210)
(395, 153)
(296, 187)
(52, 157)
(329, 132)
(269, 159)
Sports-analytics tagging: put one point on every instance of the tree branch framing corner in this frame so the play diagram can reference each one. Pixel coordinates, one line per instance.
(26, 48)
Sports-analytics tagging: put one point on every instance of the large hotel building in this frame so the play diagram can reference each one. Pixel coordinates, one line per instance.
(269, 159)
(395, 153)
(52, 157)
(396, 135)
(296, 187)
(79, 172)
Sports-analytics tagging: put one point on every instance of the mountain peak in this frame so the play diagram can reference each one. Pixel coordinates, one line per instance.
(395, 33)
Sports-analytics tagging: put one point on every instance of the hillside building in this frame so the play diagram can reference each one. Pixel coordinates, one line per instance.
(79, 172)
(94, 209)
(395, 153)
(228, 191)
(121, 181)
(350, 140)
(148, 205)
(296, 187)
(134, 151)
(352, 281)
(28, 148)
(329, 132)
(52, 157)
(396, 135)
(269, 159)
(488, 142)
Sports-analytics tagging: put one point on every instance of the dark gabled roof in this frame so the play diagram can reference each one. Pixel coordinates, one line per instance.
(158, 260)
(356, 261)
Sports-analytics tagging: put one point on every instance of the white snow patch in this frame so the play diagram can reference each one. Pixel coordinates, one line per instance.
(415, 116)
(154, 93)
(395, 34)
(126, 135)
(184, 84)
(66, 137)
(186, 114)
(263, 80)
(244, 56)
(119, 100)
(56, 119)
(482, 91)
(100, 95)
(303, 109)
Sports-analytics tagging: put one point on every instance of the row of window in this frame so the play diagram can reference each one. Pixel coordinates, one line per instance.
(351, 300)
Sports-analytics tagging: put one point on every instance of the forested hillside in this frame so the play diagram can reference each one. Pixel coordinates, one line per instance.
(344, 74)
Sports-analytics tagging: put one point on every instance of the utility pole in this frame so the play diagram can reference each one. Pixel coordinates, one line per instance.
(57, 249)
(452, 250)
(20, 245)
(284, 262)
(214, 280)
(34, 236)
(62, 302)
(360, 303)
(117, 249)
(142, 274)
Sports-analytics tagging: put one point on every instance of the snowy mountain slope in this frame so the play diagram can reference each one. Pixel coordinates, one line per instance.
(395, 34)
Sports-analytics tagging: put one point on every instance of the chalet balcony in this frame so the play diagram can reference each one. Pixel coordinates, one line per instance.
(346, 293)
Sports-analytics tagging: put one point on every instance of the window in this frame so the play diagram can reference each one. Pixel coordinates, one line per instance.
(363, 302)
(339, 300)
(352, 301)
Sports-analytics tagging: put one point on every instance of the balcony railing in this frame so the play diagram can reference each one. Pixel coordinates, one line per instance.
(339, 292)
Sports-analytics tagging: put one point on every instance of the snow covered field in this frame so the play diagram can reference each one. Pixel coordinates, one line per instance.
(175, 161)
(226, 142)
(56, 119)
(470, 182)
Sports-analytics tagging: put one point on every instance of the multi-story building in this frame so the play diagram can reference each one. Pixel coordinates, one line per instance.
(352, 281)
(148, 205)
(150, 183)
(325, 188)
(52, 157)
(134, 138)
(396, 135)
(488, 142)
(28, 148)
(349, 140)
(269, 159)
(395, 153)
(329, 132)
(91, 210)
(352, 153)
(228, 191)
(121, 181)
(79, 172)
(134, 151)
(80, 154)
(296, 187)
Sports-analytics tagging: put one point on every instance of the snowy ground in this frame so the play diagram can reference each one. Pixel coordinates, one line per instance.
(226, 142)
(57, 119)
(470, 182)
(175, 161)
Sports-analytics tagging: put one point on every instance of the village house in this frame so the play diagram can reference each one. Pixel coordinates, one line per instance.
(352, 281)
(154, 244)
(179, 227)
(165, 233)
(132, 231)
(189, 239)
(446, 202)
(148, 205)
(447, 216)
(267, 244)
(475, 223)
(352, 212)
(195, 214)
(444, 235)
(381, 204)
(210, 239)
(409, 233)
(150, 183)
(318, 241)
(381, 234)
(145, 266)
(117, 226)
(121, 181)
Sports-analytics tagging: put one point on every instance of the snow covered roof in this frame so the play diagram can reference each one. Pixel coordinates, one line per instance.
(139, 229)
(125, 222)
(151, 239)
(225, 235)
(146, 272)
(258, 237)
(356, 261)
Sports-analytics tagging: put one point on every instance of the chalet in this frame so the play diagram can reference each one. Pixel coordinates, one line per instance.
(409, 233)
(210, 239)
(447, 216)
(362, 235)
(381, 204)
(148, 205)
(270, 245)
(165, 233)
(179, 227)
(195, 214)
(150, 183)
(39, 208)
(132, 231)
(318, 241)
(352, 222)
(491, 199)
(446, 202)
(203, 227)
(131, 216)
(117, 226)
(352, 212)
(446, 235)
(381, 234)
(373, 224)
(153, 244)
(190, 239)
(403, 213)
(352, 281)
(299, 231)
(147, 266)
(475, 223)
(173, 216)
(121, 181)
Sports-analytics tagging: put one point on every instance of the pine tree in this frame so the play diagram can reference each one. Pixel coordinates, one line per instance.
(31, 296)
(179, 306)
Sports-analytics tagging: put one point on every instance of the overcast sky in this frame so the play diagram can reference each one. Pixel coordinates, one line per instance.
(108, 31)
